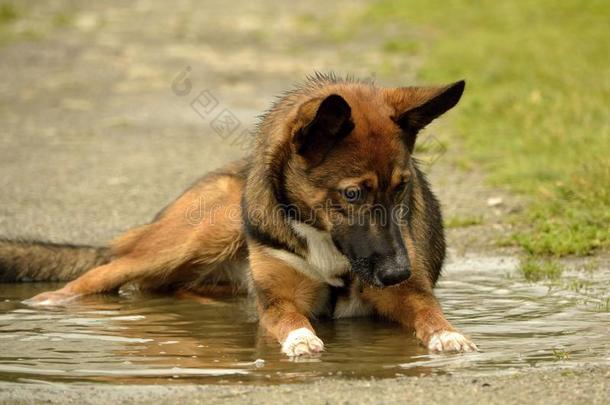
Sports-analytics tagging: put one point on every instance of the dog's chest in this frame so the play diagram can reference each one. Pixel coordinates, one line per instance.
(322, 254)
(323, 261)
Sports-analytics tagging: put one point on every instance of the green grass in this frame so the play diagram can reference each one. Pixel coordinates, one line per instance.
(604, 306)
(402, 46)
(577, 285)
(8, 13)
(591, 265)
(15, 24)
(462, 222)
(561, 354)
(23, 22)
(534, 115)
(63, 19)
(537, 269)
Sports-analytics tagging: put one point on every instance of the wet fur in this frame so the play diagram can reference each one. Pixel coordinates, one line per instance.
(182, 249)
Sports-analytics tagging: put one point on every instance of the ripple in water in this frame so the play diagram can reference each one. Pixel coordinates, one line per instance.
(146, 339)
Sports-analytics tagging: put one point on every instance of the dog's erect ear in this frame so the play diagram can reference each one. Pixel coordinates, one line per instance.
(321, 123)
(418, 106)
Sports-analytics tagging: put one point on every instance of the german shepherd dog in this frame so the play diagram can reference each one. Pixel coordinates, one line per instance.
(328, 216)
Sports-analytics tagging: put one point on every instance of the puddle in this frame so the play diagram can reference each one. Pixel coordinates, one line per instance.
(148, 339)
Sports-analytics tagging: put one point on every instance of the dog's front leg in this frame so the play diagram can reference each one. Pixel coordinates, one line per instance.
(285, 298)
(417, 309)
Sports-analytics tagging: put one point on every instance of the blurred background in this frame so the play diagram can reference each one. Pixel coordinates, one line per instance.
(102, 118)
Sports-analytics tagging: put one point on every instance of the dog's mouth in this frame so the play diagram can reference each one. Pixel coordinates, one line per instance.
(362, 267)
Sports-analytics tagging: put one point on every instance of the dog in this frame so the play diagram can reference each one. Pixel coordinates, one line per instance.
(329, 215)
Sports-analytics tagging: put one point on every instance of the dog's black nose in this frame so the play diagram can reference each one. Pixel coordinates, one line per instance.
(391, 270)
(394, 276)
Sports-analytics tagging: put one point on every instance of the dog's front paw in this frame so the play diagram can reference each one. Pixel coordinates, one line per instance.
(302, 342)
(52, 298)
(450, 341)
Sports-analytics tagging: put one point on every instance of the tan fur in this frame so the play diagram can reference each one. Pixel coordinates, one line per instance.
(200, 243)
(173, 248)
(285, 298)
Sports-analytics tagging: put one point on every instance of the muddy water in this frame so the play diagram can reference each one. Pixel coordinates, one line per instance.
(135, 338)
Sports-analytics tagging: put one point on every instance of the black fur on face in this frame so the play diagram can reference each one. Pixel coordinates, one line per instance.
(376, 251)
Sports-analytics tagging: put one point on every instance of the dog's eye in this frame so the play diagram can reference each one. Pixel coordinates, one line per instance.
(400, 188)
(353, 195)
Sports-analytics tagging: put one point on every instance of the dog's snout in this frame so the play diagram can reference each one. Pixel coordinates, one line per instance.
(379, 258)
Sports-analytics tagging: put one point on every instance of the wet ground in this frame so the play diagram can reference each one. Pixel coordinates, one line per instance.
(96, 138)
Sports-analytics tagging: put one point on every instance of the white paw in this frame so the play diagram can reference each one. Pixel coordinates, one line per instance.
(302, 342)
(446, 341)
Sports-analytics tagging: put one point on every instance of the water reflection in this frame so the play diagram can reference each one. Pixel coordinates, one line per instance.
(138, 338)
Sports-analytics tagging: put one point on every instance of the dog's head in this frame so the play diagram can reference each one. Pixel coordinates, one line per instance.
(350, 170)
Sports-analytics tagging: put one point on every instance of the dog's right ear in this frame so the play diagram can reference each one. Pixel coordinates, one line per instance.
(416, 107)
(321, 123)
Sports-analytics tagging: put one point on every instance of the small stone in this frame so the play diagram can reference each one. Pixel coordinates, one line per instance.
(494, 201)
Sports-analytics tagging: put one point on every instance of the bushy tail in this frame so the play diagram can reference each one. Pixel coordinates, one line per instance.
(42, 261)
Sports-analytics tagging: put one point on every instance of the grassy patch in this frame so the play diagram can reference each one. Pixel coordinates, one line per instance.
(8, 13)
(591, 265)
(577, 285)
(561, 354)
(536, 269)
(535, 110)
(604, 306)
(63, 19)
(16, 24)
(402, 46)
(463, 222)
(31, 22)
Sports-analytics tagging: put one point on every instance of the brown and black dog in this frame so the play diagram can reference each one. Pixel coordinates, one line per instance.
(328, 215)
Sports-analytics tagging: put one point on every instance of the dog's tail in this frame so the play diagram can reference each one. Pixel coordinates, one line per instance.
(43, 261)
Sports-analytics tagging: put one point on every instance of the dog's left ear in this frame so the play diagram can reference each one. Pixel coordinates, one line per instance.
(418, 106)
(321, 124)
